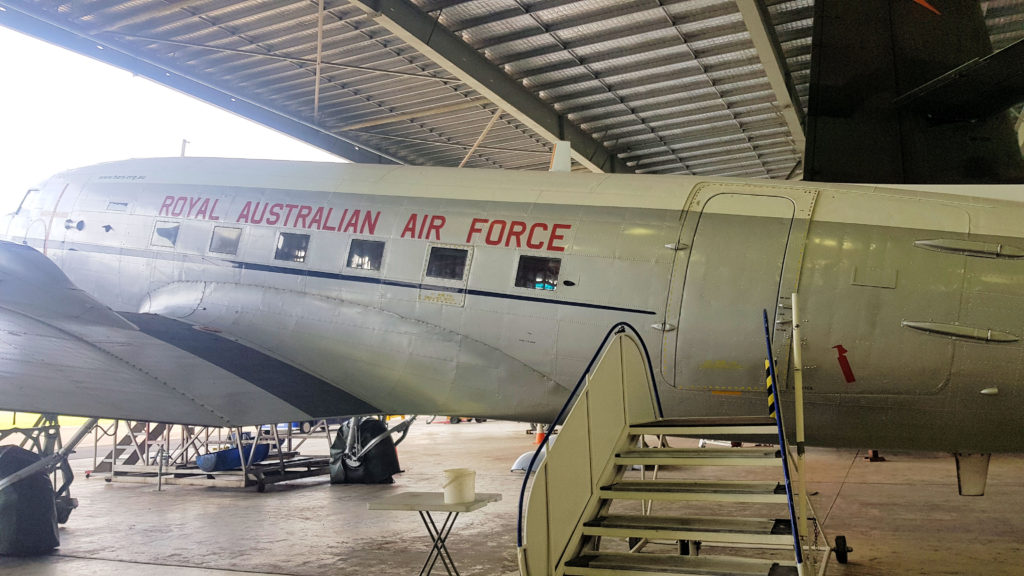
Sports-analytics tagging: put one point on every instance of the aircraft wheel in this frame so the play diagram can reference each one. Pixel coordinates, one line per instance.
(479, 420)
(842, 550)
(454, 420)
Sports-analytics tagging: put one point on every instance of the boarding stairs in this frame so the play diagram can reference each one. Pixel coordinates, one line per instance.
(624, 491)
(134, 446)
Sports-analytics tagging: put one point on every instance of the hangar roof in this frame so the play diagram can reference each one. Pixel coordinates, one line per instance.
(705, 87)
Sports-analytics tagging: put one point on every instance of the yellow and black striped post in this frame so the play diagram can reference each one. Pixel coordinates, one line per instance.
(771, 393)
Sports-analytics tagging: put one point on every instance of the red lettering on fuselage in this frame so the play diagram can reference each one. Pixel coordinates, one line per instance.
(369, 225)
(410, 227)
(327, 219)
(165, 208)
(353, 222)
(515, 230)
(539, 236)
(179, 206)
(495, 232)
(197, 207)
(556, 236)
(423, 227)
(475, 227)
(275, 214)
(529, 239)
(303, 216)
(436, 223)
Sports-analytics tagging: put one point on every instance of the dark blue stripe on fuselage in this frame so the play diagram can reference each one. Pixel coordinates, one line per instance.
(174, 256)
(422, 286)
(308, 393)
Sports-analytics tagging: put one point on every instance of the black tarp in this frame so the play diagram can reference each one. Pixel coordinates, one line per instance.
(28, 518)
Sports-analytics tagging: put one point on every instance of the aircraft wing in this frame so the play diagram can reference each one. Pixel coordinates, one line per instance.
(63, 352)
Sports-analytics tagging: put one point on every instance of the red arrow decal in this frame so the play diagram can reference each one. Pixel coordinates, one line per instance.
(844, 364)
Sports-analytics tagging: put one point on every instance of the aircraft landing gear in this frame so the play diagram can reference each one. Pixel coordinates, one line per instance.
(363, 452)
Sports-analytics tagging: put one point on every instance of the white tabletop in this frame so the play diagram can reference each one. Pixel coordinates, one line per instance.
(432, 501)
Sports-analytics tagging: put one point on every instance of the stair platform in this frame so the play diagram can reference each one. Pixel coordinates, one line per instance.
(709, 426)
(764, 531)
(617, 563)
(700, 457)
(689, 491)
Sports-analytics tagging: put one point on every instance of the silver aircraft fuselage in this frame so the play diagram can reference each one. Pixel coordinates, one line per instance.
(912, 301)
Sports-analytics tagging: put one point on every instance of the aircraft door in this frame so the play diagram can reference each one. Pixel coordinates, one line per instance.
(734, 267)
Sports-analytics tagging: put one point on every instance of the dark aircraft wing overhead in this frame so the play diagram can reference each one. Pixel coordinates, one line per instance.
(63, 352)
(902, 94)
(974, 91)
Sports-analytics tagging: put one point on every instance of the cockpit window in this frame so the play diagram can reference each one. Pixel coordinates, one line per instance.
(30, 201)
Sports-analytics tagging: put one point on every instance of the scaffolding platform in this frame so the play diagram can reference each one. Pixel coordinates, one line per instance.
(154, 453)
(258, 474)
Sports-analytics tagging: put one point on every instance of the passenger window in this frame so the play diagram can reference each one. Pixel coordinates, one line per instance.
(538, 273)
(447, 263)
(225, 239)
(292, 247)
(365, 254)
(165, 234)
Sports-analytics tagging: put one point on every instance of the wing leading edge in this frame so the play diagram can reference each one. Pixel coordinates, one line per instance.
(63, 352)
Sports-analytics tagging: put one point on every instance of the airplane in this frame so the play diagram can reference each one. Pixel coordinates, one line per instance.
(223, 292)
(228, 292)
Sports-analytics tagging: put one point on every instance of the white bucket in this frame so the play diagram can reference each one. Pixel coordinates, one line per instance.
(458, 485)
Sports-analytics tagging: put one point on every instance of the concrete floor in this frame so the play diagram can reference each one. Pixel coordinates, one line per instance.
(902, 516)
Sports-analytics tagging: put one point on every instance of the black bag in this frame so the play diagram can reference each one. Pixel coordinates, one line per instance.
(28, 517)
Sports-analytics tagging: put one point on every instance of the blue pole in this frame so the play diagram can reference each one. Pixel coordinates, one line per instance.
(782, 441)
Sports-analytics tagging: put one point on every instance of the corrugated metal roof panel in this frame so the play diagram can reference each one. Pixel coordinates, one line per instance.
(671, 86)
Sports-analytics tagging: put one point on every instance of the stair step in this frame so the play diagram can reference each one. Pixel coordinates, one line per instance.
(689, 490)
(709, 427)
(707, 529)
(700, 456)
(615, 563)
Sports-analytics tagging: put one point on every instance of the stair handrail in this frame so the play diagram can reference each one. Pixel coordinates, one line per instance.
(616, 329)
(783, 448)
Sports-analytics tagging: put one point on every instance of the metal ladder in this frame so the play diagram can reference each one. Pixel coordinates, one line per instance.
(134, 447)
(581, 515)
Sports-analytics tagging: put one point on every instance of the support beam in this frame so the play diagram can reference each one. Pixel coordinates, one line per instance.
(423, 113)
(319, 60)
(762, 33)
(469, 154)
(425, 34)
